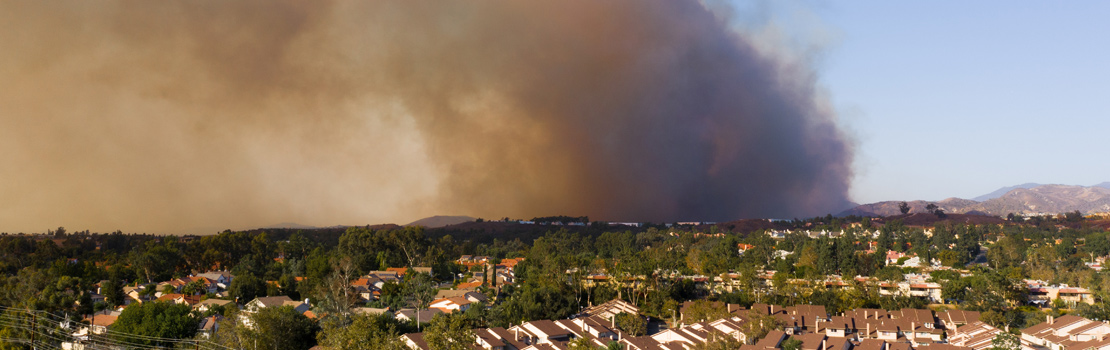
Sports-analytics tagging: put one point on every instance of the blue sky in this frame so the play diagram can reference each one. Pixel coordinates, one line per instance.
(957, 98)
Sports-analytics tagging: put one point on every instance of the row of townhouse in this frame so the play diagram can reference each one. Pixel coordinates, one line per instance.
(1067, 333)
(869, 329)
(1043, 293)
(976, 335)
(592, 324)
(908, 325)
(913, 286)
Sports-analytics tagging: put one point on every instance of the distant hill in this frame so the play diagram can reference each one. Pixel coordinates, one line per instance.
(291, 225)
(1001, 191)
(890, 208)
(1048, 199)
(440, 221)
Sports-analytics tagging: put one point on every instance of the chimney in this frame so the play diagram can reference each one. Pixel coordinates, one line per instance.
(913, 330)
(614, 320)
(823, 344)
(729, 307)
(517, 333)
(865, 314)
(1050, 319)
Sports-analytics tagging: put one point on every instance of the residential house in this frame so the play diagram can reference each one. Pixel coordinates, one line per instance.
(976, 335)
(415, 341)
(410, 315)
(366, 286)
(611, 308)
(542, 331)
(1042, 293)
(221, 278)
(1066, 333)
(207, 304)
(189, 300)
(472, 296)
(275, 301)
(99, 323)
(372, 311)
(452, 304)
(209, 326)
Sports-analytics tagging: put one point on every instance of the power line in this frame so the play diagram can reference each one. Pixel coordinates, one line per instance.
(44, 330)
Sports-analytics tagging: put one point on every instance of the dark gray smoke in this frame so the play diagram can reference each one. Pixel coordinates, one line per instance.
(169, 115)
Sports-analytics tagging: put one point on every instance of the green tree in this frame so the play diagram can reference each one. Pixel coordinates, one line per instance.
(335, 295)
(288, 286)
(113, 290)
(359, 332)
(447, 332)
(583, 343)
(281, 328)
(703, 310)
(792, 343)
(245, 288)
(194, 288)
(758, 326)
(716, 342)
(632, 324)
(155, 319)
(1005, 341)
(955, 290)
(419, 289)
(951, 258)
(904, 208)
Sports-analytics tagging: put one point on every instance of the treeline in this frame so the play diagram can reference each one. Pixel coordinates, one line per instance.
(565, 270)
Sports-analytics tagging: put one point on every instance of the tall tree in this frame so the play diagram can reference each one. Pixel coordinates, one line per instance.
(420, 290)
(359, 332)
(245, 288)
(449, 332)
(156, 319)
(336, 296)
(112, 290)
(281, 328)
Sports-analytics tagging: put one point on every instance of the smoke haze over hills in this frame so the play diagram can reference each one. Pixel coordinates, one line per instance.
(160, 116)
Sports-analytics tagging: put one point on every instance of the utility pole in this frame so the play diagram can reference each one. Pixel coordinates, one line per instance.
(34, 328)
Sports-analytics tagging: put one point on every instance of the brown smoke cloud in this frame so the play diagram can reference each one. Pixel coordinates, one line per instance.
(166, 116)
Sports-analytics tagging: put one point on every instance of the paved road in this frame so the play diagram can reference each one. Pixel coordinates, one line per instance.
(980, 259)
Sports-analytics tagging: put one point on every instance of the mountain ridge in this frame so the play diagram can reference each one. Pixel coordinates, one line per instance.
(1040, 199)
(1001, 191)
(441, 221)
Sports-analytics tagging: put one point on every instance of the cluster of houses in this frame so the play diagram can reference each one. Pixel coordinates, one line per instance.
(812, 326)
(866, 329)
(369, 287)
(214, 284)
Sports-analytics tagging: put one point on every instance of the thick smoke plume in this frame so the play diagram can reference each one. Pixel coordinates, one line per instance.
(170, 115)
